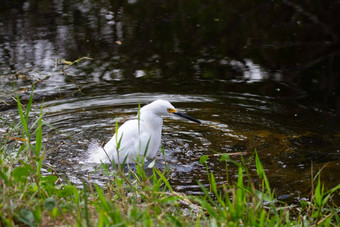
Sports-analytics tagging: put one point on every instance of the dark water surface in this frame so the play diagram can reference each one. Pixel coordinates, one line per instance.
(259, 74)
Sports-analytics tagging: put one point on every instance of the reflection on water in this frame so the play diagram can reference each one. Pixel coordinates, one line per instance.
(268, 82)
(226, 40)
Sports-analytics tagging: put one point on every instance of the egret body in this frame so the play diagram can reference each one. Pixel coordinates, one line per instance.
(137, 138)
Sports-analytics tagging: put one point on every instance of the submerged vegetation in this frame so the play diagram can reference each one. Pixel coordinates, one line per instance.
(34, 194)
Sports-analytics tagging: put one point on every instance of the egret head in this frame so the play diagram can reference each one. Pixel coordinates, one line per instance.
(162, 108)
(159, 107)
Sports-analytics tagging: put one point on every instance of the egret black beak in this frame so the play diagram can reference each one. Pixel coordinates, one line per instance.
(187, 117)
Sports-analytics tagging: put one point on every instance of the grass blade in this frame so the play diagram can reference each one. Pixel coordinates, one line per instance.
(38, 136)
(29, 105)
(22, 118)
(166, 182)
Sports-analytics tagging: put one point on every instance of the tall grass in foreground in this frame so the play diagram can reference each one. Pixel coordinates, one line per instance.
(134, 198)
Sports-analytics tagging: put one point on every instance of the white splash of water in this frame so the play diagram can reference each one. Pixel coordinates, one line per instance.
(95, 153)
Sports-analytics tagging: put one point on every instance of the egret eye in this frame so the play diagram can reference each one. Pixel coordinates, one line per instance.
(170, 110)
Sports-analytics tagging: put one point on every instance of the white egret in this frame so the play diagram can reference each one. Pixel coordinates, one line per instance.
(136, 138)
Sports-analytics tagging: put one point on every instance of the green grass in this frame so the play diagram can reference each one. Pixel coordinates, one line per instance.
(132, 198)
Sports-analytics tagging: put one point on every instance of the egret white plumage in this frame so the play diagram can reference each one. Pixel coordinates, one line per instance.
(136, 138)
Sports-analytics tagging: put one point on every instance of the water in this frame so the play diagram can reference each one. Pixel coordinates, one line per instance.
(270, 87)
(288, 146)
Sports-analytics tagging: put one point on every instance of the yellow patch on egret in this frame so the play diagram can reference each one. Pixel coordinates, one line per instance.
(170, 110)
